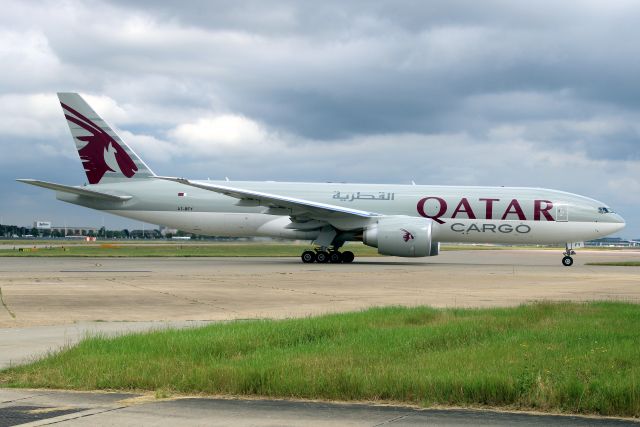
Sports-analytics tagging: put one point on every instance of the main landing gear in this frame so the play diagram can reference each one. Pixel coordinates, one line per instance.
(323, 256)
(567, 261)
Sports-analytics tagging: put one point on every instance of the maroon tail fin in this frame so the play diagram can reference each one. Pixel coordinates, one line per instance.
(103, 154)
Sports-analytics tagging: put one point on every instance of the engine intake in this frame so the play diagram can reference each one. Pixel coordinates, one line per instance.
(402, 236)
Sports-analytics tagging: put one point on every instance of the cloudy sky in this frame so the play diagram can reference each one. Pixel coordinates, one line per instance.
(543, 94)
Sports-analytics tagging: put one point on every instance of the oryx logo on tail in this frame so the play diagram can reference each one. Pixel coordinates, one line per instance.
(102, 153)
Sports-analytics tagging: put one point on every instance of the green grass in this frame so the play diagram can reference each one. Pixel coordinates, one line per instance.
(576, 358)
(178, 250)
(617, 263)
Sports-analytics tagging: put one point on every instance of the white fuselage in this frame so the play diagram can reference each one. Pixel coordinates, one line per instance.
(460, 214)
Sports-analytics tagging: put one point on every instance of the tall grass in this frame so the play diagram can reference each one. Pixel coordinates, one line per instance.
(579, 358)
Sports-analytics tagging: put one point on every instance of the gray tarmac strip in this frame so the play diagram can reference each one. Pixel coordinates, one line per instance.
(40, 407)
(64, 291)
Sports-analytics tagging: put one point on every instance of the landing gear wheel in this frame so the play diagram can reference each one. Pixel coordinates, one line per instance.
(567, 261)
(347, 257)
(322, 257)
(335, 257)
(308, 257)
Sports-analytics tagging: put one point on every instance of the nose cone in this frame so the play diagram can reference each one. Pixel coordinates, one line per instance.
(609, 224)
(618, 221)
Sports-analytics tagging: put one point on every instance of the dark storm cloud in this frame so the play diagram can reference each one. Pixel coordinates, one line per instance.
(413, 62)
(331, 70)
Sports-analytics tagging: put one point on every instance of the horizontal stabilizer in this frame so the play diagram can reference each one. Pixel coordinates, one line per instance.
(80, 191)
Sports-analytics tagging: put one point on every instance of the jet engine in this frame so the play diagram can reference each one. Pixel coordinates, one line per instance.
(402, 236)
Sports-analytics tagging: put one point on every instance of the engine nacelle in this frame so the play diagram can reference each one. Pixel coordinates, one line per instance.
(402, 236)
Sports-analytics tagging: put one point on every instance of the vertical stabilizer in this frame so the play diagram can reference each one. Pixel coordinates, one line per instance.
(104, 156)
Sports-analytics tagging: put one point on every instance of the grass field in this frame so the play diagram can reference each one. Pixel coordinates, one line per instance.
(578, 358)
(617, 263)
(176, 250)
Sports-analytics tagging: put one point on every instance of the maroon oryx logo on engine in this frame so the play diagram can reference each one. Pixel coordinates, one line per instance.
(102, 153)
(407, 235)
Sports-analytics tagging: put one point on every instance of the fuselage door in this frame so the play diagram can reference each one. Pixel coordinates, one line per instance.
(562, 213)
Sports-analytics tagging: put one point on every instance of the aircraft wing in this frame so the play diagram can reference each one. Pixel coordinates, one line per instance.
(80, 191)
(289, 205)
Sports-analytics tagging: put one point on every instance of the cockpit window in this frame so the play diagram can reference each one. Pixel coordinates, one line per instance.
(605, 210)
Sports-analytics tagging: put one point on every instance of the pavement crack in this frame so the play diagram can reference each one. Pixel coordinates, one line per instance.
(193, 300)
(11, 313)
(78, 415)
(25, 398)
(277, 288)
(392, 420)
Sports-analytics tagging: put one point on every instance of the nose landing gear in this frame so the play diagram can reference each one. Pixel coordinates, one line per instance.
(567, 261)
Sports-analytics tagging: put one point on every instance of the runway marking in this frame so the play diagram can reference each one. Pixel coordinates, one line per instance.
(11, 313)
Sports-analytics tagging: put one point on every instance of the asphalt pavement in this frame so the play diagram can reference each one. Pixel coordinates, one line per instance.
(38, 408)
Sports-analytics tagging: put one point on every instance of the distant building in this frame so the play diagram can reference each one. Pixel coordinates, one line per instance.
(145, 234)
(75, 231)
(613, 242)
(166, 230)
(42, 225)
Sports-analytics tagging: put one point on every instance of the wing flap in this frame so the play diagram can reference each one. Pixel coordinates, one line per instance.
(80, 191)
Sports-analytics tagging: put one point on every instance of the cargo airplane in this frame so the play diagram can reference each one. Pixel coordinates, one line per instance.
(399, 220)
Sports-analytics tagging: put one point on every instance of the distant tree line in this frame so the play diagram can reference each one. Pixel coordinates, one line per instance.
(10, 231)
(13, 230)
